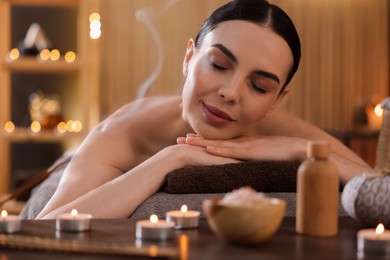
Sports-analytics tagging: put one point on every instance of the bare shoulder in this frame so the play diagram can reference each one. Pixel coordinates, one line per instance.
(285, 124)
(132, 133)
(144, 110)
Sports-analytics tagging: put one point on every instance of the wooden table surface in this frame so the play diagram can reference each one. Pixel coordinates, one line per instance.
(119, 235)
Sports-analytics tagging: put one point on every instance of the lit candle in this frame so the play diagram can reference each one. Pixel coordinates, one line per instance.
(184, 218)
(374, 116)
(73, 222)
(374, 241)
(154, 229)
(9, 223)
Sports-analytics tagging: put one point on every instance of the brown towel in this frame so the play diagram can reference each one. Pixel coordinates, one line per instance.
(264, 176)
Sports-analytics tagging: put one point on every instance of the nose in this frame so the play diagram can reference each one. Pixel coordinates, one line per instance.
(231, 91)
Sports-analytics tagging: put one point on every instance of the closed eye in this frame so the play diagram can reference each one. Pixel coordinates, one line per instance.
(218, 67)
(258, 88)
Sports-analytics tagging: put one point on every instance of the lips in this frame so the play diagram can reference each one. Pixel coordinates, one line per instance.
(215, 115)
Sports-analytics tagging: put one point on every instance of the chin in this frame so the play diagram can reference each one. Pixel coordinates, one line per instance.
(214, 133)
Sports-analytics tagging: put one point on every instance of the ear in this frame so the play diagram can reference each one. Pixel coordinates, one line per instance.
(188, 56)
(278, 100)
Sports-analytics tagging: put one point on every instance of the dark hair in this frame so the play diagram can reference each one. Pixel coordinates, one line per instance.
(259, 12)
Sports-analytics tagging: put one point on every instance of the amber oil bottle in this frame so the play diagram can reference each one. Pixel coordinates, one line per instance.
(317, 193)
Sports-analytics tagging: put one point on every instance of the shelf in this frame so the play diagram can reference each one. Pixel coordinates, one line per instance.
(32, 65)
(51, 135)
(54, 3)
(76, 84)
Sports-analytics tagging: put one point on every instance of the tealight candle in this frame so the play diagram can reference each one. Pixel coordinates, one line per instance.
(154, 229)
(9, 223)
(184, 218)
(73, 222)
(374, 241)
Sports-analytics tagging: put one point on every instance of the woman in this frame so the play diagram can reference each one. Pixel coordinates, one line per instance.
(236, 73)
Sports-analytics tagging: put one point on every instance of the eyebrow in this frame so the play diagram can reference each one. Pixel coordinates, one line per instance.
(226, 51)
(268, 75)
(231, 56)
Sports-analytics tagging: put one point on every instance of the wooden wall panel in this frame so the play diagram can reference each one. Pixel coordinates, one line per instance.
(129, 53)
(344, 60)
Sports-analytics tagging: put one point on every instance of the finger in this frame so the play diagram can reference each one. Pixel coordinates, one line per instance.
(193, 135)
(230, 152)
(196, 140)
(181, 140)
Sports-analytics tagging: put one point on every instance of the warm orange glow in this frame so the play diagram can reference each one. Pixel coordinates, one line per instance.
(77, 126)
(4, 213)
(184, 209)
(374, 116)
(153, 251)
(94, 17)
(69, 125)
(55, 55)
(9, 127)
(153, 218)
(14, 54)
(183, 247)
(95, 26)
(35, 126)
(74, 126)
(380, 229)
(70, 56)
(61, 127)
(74, 212)
(378, 111)
(45, 54)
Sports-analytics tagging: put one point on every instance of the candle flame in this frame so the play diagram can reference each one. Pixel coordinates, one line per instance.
(153, 218)
(74, 212)
(184, 209)
(378, 110)
(4, 213)
(380, 229)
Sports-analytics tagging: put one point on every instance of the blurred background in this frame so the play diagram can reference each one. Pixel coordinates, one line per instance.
(344, 71)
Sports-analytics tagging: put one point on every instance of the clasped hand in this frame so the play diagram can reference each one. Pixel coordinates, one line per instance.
(251, 148)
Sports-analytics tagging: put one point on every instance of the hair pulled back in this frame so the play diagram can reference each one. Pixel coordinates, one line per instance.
(259, 12)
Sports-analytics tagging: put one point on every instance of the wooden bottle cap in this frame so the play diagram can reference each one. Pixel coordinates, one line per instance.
(318, 149)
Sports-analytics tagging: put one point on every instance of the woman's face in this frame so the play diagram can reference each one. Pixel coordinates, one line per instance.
(234, 79)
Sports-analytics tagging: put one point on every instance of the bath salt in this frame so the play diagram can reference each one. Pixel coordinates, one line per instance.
(245, 196)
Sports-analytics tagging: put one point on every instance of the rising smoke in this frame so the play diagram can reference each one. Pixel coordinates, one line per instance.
(148, 17)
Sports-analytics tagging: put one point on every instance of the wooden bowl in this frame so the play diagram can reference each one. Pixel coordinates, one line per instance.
(244, 224)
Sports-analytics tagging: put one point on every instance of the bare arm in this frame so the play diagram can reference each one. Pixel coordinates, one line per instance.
(283, 137)
(116, 168)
